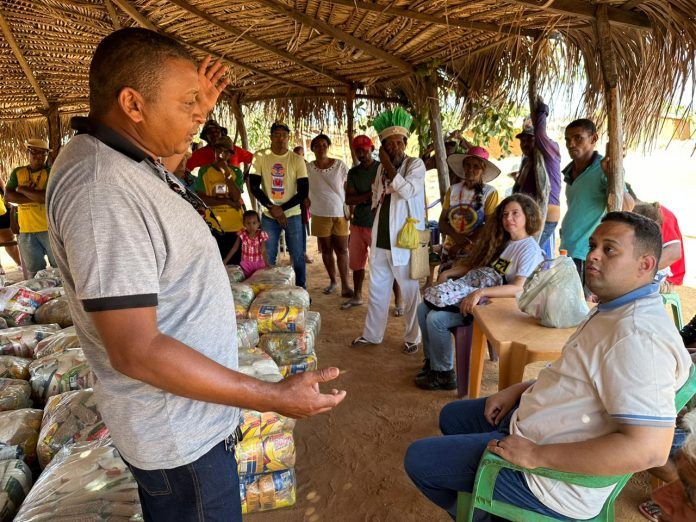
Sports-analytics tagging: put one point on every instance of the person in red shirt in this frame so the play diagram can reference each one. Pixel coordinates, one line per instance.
(210, 132)
(672, 242)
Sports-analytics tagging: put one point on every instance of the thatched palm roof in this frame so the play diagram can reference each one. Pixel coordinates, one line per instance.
(310, 52)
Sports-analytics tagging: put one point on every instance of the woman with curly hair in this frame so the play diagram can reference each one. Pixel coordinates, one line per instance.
(506, 256)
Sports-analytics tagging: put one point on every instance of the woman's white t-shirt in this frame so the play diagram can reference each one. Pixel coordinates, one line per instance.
(519, 259)
(327, 189)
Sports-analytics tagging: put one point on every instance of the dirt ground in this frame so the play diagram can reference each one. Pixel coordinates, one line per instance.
(350, 461)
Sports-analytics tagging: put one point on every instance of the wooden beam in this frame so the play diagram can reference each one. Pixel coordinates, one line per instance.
(436, 133)
(319, 94)
(7, 31)
(586, 10)
(437, 20)
(613, 107)
(350, 121)
(325, 28)
(235, 31)
(131, 11)
(112, 14)
(55, 134)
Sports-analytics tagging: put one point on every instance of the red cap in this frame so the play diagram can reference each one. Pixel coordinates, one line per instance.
(362, 142)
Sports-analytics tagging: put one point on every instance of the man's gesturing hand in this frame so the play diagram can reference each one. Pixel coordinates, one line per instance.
(210, 83)
(302, 398)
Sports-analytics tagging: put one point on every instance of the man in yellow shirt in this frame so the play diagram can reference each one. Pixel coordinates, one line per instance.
(218, 186)
(280, 184)
(26, 187)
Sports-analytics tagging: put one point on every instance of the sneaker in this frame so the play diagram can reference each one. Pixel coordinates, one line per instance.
(435, 380)
(688, 333)
(426, 368)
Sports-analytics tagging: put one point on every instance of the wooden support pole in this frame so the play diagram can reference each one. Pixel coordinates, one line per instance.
(533, 87)
(55, 134)
(350, 120)
(612, 103)
(436, 133)
(242, 132)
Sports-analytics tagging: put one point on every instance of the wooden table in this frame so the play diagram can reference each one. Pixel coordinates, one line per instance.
(517, 338)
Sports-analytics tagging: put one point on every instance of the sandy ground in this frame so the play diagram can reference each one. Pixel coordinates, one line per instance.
(349, 462)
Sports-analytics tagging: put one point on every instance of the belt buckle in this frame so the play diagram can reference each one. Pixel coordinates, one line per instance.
(233, 439)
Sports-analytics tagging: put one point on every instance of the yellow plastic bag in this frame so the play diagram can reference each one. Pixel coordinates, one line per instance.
(408, 236)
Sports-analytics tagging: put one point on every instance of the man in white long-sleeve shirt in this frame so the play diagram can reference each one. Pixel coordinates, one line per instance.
(398, 193)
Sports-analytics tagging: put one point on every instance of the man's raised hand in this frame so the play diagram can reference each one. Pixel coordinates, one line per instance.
(211, 82)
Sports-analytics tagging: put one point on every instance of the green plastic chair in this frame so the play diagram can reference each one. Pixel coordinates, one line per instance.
(675, 305)
(491, 464)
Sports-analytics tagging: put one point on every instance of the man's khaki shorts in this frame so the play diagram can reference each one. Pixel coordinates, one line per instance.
(329, 226)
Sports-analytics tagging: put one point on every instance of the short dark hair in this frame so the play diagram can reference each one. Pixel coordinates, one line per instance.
(318, 137)
(649, 210)
(584, 124)
(279, 126)
(647, 232)
(131, 57)
(248, 214)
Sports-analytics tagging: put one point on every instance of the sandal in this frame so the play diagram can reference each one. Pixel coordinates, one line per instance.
(398, 311)
(330, 289)
(350, 304)
(650, 510)
(410, 348)
(360, 341)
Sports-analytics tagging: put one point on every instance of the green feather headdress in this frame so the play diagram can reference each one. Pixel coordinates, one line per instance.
(391, 122)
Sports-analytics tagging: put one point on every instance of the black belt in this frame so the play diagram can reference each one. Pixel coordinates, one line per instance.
(234, 439)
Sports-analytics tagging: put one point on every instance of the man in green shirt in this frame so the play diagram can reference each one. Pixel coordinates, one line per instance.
(359, 195)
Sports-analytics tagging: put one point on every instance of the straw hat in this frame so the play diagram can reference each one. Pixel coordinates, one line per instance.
(455, 162)
(35, 143)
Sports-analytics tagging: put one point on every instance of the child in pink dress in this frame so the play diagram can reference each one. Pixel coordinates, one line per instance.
(253, 243)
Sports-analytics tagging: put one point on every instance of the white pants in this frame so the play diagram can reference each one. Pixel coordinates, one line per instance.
(382, 275)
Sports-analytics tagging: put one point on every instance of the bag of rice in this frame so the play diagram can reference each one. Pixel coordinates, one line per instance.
(263, 455)
(59, 373)
(256, 363)
(69, 417)
(12, 367)
(235, 273)
(15, 394)
(15, 483)
(294, 296)
(268, 278)
(18, 304)
(22, 340)
(247, 333)
(306, 363)
(268, 491)
(287, 348)
(56, 343)
(21, 428)
(256, 424)
(54, 311)
(86, 481)
(243, 296)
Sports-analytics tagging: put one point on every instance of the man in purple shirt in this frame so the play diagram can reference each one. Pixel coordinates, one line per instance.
(540, 172)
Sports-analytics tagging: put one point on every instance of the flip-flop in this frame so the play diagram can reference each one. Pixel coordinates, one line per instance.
(650, 510)
(330, 289)
(410, 348)
(398, 311)
(350, 304)
(360, 341)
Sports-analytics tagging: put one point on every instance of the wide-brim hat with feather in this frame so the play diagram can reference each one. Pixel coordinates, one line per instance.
(394, 122)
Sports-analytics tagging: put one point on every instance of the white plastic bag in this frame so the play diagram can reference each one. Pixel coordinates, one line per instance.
(553, 294)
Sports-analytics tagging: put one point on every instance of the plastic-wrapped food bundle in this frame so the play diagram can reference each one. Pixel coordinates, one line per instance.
(58, 342)
(306, 363)
(276, 318)
(263, 455)
(48, 273)
(38, 284)
(12, 367)
(19, 303)
(267, 491)
(294, 296)
(268, 278)
(54, 311)
(247, 333)
(51, 293)
(15, 394)
(256, 363)
(69, 417)
(243, 296)
(59, 373)
(8, 452)
(287, 348)
(15, 483)
(86, 482)
(313, 324)
(21, 428)
(22, 340)
(235, 273)
(256, 424)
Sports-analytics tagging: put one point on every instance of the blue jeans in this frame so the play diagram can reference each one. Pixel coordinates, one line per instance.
(295, 238)
(33, 246)
(206, 490)
(545, 241)
(442, 466)
(435, 327)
